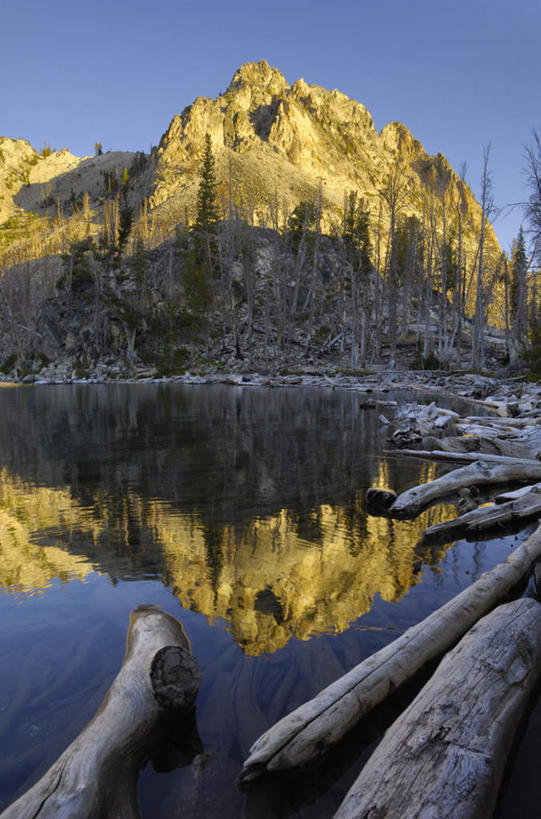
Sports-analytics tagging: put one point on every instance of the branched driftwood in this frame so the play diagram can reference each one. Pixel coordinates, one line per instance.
(479, 473)
(321, 722)
(512, 444)
(524, 507)
(444, 756)
(458, 457)
(96, 776)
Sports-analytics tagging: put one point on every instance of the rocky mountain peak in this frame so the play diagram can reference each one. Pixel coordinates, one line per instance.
(258, 77)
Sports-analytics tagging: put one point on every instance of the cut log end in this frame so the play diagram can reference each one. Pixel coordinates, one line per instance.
(175, 677)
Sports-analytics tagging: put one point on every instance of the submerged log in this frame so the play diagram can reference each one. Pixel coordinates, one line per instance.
(97, 774)
(486, 517)
(479, 473)
(321, 722)
(445, 755)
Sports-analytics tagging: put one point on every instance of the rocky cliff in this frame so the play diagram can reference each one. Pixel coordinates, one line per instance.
(276, 144)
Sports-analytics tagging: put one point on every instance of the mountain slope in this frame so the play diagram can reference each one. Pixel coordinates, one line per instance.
(275, 145)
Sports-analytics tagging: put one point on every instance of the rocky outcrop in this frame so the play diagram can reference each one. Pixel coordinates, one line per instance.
(275, 144)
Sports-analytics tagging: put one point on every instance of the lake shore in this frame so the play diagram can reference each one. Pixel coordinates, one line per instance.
(512, 396)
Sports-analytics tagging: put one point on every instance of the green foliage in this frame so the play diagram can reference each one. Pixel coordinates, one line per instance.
(172, 361)
(78, 273)
(302, 222)
(46, 150)
(140, 262)
(425, 362)
(357, 233)
(206, 218)
(531, 355)
(125, 225)
(139, 163)
(98, 149)
(197, 290)
(8, 363)
(518, 270)
(449, 263)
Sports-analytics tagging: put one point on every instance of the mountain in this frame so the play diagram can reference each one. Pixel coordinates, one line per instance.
(275, 144)
(99, 260)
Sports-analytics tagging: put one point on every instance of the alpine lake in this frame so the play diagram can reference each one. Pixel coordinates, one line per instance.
(241, 511)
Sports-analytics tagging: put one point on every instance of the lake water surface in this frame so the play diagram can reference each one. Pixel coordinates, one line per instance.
(240, 511)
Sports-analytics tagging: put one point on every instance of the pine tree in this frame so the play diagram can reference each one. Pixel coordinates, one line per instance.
(207, 210)
(518, 296)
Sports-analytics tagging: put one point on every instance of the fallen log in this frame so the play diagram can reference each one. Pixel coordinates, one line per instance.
(522, 508)
(481, 473)
(321, 722)
(497, 421)
(445, 755)
(459, 457)
(526, 444)
(97, 774)
(516, 493)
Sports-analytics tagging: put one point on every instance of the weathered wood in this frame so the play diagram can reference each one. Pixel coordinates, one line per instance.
(321, 722)
(459, 457)
(96, 776)
(516, 493)
(445, 755)
(480, 473)
(524, 507)
(468, 499)
(498, 421)
(512, 444)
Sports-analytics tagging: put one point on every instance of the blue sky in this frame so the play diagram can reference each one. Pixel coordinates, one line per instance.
(458, 74)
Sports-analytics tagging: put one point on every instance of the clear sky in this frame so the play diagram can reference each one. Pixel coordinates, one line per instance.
(458, 74)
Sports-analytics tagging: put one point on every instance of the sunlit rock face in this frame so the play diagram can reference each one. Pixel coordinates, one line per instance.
(275, 578)
(275, 145)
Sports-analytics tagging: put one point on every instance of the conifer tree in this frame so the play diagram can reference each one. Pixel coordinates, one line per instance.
(519, 306)
(206, 219)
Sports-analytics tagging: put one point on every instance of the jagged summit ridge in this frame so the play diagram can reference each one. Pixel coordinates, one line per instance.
(278, 143)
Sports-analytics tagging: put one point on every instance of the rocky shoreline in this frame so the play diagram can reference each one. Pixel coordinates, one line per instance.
(513, 396)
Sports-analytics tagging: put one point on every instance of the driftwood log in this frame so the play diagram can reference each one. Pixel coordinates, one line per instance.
(321, 722)
(445, 755)
(516, 493)
(458, 457)
(479, 473)
(96, 776)
(522, 508)
(512, 444)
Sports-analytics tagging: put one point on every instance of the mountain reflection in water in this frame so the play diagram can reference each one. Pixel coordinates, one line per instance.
(265, 578)
(242, 513)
